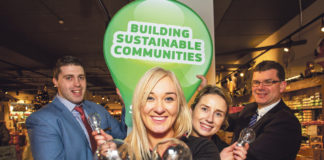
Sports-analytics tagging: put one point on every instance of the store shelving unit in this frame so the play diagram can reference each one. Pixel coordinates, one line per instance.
(305, 98)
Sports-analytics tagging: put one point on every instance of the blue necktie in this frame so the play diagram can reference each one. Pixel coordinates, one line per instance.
(253, 119)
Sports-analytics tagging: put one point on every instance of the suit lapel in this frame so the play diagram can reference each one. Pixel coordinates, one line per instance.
(87, 108)
(247, 114)
(70, 119)
(243, 119)
(268, 115)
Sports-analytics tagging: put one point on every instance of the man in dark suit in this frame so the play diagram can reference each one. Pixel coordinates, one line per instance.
(60, 130)
(278, 131)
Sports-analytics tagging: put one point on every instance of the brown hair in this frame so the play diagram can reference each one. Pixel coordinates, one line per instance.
(209, 89)
(64, 61)
(267, 65)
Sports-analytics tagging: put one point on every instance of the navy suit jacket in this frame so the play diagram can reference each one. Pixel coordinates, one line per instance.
(278, 132)
(56, 134)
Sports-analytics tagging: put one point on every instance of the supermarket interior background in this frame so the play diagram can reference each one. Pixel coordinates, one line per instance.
(33, 34)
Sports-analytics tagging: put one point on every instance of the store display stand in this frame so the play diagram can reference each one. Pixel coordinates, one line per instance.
(305, 98)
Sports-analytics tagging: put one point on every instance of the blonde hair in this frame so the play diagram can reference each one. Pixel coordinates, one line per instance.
(138, 140)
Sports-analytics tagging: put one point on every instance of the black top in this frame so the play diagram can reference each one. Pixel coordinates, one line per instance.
(219, 143)
(201, 148)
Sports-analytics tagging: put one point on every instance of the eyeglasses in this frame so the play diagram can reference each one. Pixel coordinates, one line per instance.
(268, 82)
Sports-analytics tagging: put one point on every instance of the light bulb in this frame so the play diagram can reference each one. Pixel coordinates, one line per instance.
(115, 149)
(247, 135)
(171, 149)
(95, 122)
(322, 26)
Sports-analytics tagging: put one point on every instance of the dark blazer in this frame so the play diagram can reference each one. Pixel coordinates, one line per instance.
(55, 133)
(278, 132)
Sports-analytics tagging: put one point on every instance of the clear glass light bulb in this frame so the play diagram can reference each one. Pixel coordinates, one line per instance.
(114, 149)
(95, 122)
(171, 149)
(247, 135)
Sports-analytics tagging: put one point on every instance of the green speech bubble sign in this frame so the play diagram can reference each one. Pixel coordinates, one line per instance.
(149, 33)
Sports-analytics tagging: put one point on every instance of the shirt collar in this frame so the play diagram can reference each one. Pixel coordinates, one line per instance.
(69, 105)
(264, 110)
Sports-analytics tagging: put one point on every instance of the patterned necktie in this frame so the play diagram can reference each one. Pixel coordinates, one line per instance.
(87, 126)
(253, 119)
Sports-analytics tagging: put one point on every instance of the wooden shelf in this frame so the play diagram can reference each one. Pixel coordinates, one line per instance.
(318, 123)
(305, 83)
(305, 108)
(305, 86)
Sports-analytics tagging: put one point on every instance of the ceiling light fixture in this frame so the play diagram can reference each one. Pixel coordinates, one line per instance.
(59, 18)
(287, 48)
(293, 78)
(322, 26)
(60, 21)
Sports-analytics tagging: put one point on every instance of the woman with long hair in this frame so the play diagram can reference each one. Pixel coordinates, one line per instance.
(160, 112)
(209, 115)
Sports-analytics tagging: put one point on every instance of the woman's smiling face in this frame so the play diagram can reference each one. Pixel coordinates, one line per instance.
(161, 108)
(208, 115)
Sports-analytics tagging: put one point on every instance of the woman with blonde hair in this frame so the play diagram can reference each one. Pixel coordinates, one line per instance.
(160, 112)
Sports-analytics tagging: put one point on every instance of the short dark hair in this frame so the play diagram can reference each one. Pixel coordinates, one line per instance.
(64, 61)
(210, 89)
(267, 65)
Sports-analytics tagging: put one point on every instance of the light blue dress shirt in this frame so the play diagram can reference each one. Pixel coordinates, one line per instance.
(70, 106)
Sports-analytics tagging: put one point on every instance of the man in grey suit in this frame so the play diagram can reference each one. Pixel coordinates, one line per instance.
(60, 130)
(278, 132)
